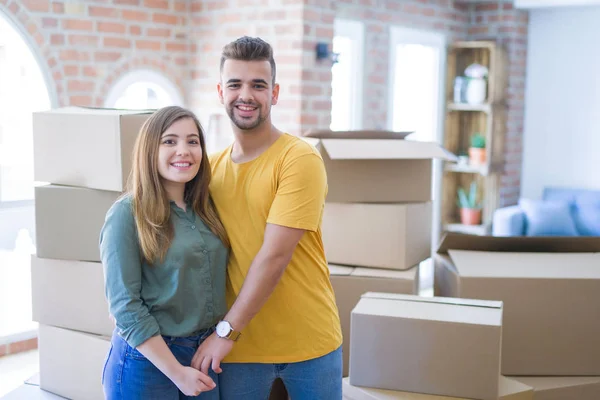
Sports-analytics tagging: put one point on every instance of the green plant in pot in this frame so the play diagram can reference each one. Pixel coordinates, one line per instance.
(469, 205)
(477, 150)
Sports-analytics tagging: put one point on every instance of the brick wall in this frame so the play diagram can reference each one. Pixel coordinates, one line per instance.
(85, 46)
(499, 20)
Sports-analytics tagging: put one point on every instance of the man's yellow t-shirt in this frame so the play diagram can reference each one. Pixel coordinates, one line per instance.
(286, 185)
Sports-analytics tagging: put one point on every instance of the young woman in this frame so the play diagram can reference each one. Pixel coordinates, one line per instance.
(164, 253)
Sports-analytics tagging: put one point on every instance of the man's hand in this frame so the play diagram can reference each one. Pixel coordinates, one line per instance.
(193, 382)
(211, 352)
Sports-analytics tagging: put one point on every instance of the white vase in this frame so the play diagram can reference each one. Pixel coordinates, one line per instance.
(476, 91)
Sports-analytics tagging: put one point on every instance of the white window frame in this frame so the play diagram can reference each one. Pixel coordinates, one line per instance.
(355, 31)
(142, 75)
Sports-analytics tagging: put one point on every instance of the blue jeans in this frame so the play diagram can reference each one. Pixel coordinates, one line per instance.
(128, 375)
(320, 378)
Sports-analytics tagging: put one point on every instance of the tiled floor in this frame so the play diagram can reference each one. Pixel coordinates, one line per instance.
(16, 369)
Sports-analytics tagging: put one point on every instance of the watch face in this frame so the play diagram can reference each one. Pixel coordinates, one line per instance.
(223, 328)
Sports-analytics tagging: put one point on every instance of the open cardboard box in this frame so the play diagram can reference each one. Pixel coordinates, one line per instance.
(447, 347)
(387, 169)
(550, 287)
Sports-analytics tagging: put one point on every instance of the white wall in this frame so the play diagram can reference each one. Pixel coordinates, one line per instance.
(562, 101)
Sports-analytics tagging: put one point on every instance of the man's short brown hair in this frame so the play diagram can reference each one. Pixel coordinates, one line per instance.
(249, 49)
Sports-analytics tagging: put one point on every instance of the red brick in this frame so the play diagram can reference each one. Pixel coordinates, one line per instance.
(128, 2)
(36, 5)
(476, 30)
(131, 15)
(216, 5)
(322, 105)
(325, 33)
(181, 6)
(309, 119)
(80, 101)
(411, 9)
(90, 71)
(486, 7)
(80, 86)
(164, 19)
(24, 345)
(103, 12)
(14, 8)
(111, 27)
(181, 61)
(507, 6)
(158, 32)
(71, 70)
(73, 55)
(104, 56)
(78, 24)
(148, 45)
(85, 40)
(135, 30)
(58, 8)
(3, 350)
(197, 7)
(52, 62)
(57, 76)
(49, 23)
(116, 42)
(162, 4)
(177, 47)
(428, 12)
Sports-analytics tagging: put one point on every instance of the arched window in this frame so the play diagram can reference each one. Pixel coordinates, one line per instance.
(143, 89)
(23, 91)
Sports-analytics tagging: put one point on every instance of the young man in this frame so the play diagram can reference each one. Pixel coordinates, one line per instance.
(269, 188)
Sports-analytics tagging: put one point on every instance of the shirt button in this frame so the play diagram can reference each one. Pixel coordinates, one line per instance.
(193, 226)
(207, 281)
(204, 251)
(209, 308)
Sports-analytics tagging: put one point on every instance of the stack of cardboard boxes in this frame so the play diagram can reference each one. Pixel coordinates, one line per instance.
(85, 155)
(378, 213)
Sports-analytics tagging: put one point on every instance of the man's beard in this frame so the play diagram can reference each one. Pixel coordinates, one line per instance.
(244, 124)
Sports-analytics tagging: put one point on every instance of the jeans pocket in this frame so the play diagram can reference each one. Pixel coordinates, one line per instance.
(106, 361)
(131, 352)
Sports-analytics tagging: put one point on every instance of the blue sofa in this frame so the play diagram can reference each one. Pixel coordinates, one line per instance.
(561, 212)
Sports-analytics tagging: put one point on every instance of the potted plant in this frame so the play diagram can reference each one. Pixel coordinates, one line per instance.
(477, 150)
(470, 207)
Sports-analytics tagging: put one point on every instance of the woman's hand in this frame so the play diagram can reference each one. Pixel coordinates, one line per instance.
(192, 382)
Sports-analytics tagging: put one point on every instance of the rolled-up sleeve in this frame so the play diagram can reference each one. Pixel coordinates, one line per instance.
(122, 264)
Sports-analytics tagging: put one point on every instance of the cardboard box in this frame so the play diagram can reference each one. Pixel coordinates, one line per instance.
(395, 236)
(70, 294)
(351, 283)
(447, 347)
(68, 221)
(563, 388)
(71, 362)
(85, 147)
(378, 170)
(551, 293)
(508, 389)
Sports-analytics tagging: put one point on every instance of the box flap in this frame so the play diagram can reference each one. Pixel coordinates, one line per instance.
(340, 270)
(508, 387)
(95, 111)
(541, 383)
(462, 311)
(520, 244)
(526, 265)
(357, 134)
(364, 393)
(383, 149)
(408, 274)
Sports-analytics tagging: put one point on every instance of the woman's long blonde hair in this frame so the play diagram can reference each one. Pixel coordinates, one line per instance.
(151, 206)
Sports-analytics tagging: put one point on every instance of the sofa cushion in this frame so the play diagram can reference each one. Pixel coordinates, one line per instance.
(586, 214)
(548, 218)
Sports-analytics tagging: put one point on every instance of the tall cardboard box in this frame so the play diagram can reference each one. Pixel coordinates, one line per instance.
(68, 221)
(550, 288)
(70, 294)
(388, 170)
(395, 236)
(563, 388)
(71, 362)
(85, 147)
(446, 347)
(351, 283)
(508, 389)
